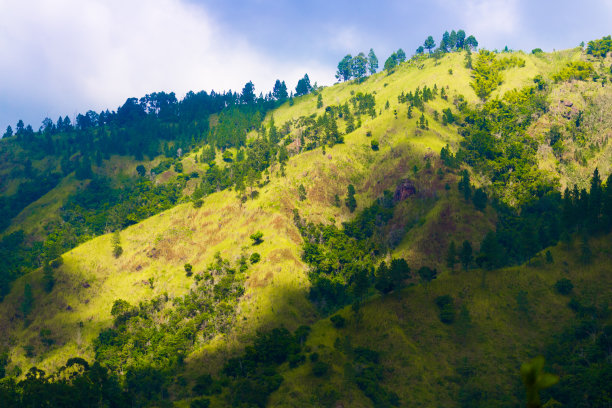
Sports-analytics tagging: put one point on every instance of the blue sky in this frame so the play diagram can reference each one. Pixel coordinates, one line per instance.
(69, 56)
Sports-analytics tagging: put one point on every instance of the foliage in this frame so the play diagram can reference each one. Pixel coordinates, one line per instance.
(157, 334)
(257, 237)
(564, 286)
(486, 74)
(601, 47)
(579, 70)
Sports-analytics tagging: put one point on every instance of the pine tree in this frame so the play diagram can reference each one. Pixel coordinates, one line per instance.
(465, 255)
(372, 62)
(350, 201)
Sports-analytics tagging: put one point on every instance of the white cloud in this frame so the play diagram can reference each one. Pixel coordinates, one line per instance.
(68, 56)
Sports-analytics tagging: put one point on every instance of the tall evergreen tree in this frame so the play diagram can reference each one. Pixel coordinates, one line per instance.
(372, 62)
(303, 86)
(466, 255)
(460, 39)
(401, 56)
(429, 44)
(280, 91)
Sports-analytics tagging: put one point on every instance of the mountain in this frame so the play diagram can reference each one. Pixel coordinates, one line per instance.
(228, 250)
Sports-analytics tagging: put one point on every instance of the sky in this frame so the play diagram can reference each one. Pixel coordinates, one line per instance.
(64, 57)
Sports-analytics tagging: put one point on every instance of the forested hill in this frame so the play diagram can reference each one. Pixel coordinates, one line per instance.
(408, 237)
(92, 173)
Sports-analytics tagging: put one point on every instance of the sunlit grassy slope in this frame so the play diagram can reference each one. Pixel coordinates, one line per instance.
(418, 351)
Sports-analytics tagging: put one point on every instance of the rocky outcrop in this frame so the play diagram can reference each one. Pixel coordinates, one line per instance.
(404, 190)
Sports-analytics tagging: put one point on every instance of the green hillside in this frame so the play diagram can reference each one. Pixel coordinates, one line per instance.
(198, 302)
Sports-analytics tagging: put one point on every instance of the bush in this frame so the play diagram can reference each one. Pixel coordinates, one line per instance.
(257, 237)
(198, 203)
(319, 369)
(188, 269)
(564, 286)
(255, 257)
(200, 403)
(57, 262)
(374, 144)
(447, 308)
(338, 321)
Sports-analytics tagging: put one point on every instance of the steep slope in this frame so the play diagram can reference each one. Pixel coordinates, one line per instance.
(402, 327)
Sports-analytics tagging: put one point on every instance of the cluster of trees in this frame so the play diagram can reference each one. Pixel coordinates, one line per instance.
(342, 261)
(395, 59)
(450, 42)
(600, 48)
(155, 124)
(357, 67)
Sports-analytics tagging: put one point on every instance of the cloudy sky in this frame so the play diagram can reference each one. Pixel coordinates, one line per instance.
(69, 56)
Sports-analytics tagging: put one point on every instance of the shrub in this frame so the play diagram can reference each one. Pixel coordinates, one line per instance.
(319, 369)
(301, 192)
(188, 269)
(178, 167)
(564, 286)
(200, 403)
(374, 144)
(338, 321)
(257, 237)
(198, 203)
(574, 70)
(447, 308)
(57, 262)
(255, 257)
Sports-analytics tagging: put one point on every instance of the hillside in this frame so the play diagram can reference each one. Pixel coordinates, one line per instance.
(200, 317)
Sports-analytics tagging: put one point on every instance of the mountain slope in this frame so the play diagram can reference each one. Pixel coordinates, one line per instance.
(421, 357)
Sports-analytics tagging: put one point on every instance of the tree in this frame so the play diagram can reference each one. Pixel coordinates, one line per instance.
(359, 66)
(464, 185)
(248, 94)
(350, 201)
(471, 43)
(486, 74)
(401, 56)
(257, 237)
(460, 39)
(491, 252)
(465, 255)
(280, 91)
(344, 71)
(117, 249)
(301, 192)
(536, 380)
(8, 133)
(141, 170)
(480, 199)
(452, 40)
(399, 272)
(429, 44)
(303, 86)
(420, 50)
(391, 62)
(427, 274)
(445, 43)
(372, 62)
